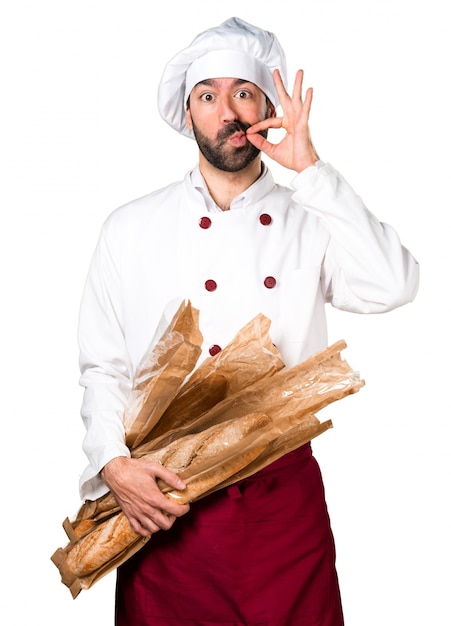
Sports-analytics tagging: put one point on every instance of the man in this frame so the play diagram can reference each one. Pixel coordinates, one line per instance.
(236, 244)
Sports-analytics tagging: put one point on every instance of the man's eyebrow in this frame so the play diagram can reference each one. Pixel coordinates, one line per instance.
(212, 82)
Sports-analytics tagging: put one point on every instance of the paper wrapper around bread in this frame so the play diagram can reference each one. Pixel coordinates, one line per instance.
(235, 414)
(161, 373)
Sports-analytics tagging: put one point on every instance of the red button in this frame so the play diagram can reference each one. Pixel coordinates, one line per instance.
(270, 282)
(210, 285)
(205, 222)
(265, 219)
(214, 349)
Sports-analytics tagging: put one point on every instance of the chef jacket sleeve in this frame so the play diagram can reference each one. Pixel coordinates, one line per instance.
(106, 371)
(366, 269)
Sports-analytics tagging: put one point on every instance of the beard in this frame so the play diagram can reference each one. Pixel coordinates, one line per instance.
(227, 159)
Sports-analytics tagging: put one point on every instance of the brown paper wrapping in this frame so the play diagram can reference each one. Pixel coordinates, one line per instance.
(235, 414)
(161, 373)
(250, 357)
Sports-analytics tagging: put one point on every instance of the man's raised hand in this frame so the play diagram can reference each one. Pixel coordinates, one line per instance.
(295, 151)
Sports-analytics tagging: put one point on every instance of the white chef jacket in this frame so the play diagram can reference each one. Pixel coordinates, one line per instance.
(277, 251)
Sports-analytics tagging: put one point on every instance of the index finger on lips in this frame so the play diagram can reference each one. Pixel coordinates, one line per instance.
(269, 122)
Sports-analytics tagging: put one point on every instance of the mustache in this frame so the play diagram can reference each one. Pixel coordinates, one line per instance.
(231, 129)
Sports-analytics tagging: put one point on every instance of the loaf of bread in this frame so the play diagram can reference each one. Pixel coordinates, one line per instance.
(109, 538)
(207, 481)
(191, 450)
(206, 459)
(302, 389)
(101, 545)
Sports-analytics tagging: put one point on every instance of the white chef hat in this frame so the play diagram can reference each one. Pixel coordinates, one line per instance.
(234, 49)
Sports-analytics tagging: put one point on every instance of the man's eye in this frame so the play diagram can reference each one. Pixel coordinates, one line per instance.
(206, 97)
(243, 95)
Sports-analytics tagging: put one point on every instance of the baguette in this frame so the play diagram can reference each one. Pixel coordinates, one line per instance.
(207, 481)
(101, 545)
(105, 542)
(190, 451)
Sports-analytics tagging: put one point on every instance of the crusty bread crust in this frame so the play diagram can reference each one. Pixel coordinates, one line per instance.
(99, 546)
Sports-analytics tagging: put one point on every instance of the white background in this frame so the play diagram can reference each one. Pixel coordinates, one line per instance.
(80, 135)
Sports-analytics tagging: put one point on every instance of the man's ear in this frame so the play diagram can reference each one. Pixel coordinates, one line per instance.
(189, 121)
(271, 109)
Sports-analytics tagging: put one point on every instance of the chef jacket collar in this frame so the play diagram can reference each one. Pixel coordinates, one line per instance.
(256, 192)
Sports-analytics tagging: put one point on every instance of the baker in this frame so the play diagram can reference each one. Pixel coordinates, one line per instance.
(236, 244)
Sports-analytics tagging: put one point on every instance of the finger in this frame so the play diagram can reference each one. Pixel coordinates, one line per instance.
(307, 102)
(280, 87)
(175, 508)
(139, 528)
(165, 520)
(169, 477)
(160, 502)
(266, 124)
(263, 145)
(149, 526)
(297, 89)
(159, 520)
(260, 142)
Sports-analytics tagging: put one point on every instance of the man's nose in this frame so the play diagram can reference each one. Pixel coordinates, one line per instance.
(227, 112)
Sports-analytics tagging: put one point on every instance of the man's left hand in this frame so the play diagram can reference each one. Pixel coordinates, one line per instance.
(295, 151)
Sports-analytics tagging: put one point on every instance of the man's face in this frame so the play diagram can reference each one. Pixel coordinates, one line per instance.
(219, 113)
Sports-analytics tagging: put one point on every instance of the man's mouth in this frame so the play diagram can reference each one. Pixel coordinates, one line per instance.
(238, 139)
(235, 133)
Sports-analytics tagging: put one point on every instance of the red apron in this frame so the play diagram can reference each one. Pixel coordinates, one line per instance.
(259, 553)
